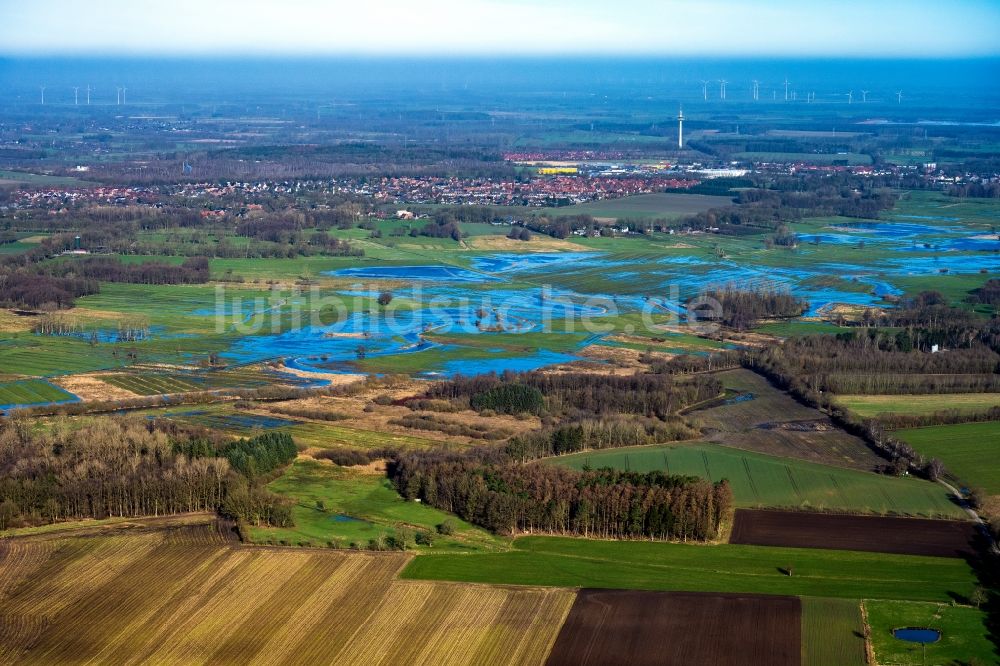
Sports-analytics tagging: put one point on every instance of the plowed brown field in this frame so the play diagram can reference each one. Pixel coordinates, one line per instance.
(690, 629)
(802, 529)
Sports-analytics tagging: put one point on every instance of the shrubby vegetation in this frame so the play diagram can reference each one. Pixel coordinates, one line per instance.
(130, 467)
(579, 395)
(605, 433)
(56, 285)
(742, 309)
(24, 289)
(510, 398)
(989, 293)
(261, 454)
(506, 498)
(436, 423)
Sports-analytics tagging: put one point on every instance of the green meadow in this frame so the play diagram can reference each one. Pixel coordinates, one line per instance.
(760, 480)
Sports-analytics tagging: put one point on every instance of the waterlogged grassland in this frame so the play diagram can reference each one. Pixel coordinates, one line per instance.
(946, 210)
(663, 205)
(832, 632)
(347, 505)
(964, 634)
(763, 481)
(31, 392)
(969, 451)
(186, 328)
(873, 405)
(644, 565)
(37, 356)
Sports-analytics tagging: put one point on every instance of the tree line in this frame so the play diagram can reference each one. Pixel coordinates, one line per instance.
(58, 284)
(126, 467)
(580, 395)
(509, 498)
(742, 308)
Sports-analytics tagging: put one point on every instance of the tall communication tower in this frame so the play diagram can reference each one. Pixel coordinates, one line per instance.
(680, 128)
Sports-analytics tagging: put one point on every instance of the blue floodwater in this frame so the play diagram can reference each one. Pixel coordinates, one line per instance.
(478, 301)
(344, 518)
(105, 335)
(831, 239)
(431, 273)
(937, 218)
(522, 363)
(893, 229)
(736, 399)
(938, 264)
(917, 635)
(541, 261)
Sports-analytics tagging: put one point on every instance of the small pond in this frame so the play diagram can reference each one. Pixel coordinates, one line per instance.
(344, 518)
(917, 634)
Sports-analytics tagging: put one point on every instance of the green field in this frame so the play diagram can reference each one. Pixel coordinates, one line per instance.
(151, 382)
(225, 416)
(358, 506)
(770, 422)
(760, 480)
(663, 205)
(788, 329)
(31, 392)
(808, 158)
(646, 565)
(328, 435)
(832, 632)
(970, 451)
(964, 635)
(25, 178)
(872, 405)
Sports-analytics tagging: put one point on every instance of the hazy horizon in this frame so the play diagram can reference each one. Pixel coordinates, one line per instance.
(852, 28)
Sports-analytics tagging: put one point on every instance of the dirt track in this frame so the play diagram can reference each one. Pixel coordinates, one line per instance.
(800, 529)
(689, 628)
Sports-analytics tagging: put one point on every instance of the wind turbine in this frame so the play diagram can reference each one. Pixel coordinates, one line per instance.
(850, 97)
(119, 95)
(704, 89)
(88, 94)
(43, 94)
(864, 95)
(722, 88)
(756, 90)
(899, 97)
(123, 94)
(76, 95)
(786, 88)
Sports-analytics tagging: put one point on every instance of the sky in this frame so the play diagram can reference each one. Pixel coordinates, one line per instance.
(854, 28)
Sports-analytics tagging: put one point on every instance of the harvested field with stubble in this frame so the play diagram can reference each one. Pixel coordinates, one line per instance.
(876, 534)
(188, 596)
(631, 627)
